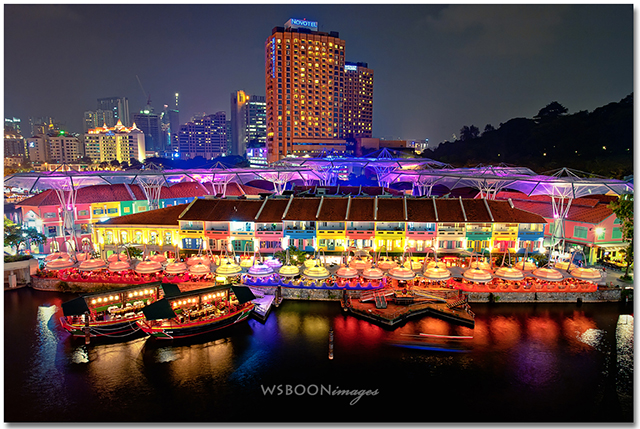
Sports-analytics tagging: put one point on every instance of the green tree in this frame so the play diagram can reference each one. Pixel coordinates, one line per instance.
(15, 236)
(295, 256)
(623, 209)
(469, 133)
(11, 233)
(552, 110)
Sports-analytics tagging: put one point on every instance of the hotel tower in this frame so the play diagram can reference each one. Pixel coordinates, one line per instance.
(304, 90)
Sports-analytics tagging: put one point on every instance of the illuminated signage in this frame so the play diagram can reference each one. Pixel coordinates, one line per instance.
(348, 67)
(302, 23)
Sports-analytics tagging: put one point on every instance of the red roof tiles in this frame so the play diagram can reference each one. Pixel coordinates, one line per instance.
(167, 216)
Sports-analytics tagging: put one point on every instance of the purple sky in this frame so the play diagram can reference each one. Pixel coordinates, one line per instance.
(436, 67)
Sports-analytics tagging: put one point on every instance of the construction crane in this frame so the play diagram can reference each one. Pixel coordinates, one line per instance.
(148, 96)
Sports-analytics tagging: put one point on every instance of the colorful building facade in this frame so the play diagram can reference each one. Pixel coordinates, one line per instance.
(333, 224)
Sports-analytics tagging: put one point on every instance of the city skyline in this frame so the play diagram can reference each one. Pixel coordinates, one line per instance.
(437, 67)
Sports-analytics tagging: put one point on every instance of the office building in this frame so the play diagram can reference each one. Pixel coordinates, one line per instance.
(304, 74)
(205, 137)
(149, 123)
(98, 118)
(248, 122)
(14, 143)
(118, 142)
(38, 148)
(120, 108)
(64, 148)
(358, 100)
(44, 125)
(14, 123)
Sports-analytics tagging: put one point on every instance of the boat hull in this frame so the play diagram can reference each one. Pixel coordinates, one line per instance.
(111, 328)
(186, 330)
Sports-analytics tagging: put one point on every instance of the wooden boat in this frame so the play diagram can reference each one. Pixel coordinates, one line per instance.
(187, 314)
(111, 313)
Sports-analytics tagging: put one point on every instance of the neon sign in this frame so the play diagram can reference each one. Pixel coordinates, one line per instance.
(349, 67)
(304, 23)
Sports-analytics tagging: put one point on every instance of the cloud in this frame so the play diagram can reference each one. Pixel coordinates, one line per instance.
(500, 30)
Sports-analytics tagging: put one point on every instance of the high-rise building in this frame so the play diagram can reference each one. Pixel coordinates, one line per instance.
(358, 100)
(149, 123)
(248, 122)
(38, 147)
(98, 118)
(304, 73)
(44, 125)
(206, 137)
(170, 124)
(118, 142)
(14, 143)
(120, 108)
(14, 123)
(64, 148)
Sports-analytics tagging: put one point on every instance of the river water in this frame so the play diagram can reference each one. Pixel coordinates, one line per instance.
(523, 363)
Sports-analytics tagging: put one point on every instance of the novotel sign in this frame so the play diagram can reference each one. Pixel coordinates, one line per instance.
(302, 23)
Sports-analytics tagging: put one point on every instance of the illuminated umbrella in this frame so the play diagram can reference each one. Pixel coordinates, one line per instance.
(437, 273)
(117, 257)
(57, 255)
(481, 265)
(200, 259)
(359, 264)
(401, 273)
(60, 264)
(525, 266)
(147, 267)
(199, 269)
(508, 273)
(176, 268)
(548, 274)
(159, 258)
(92, 265)
(387, 264)
(373, 273)
(413, 265)
(229, 269)
(564, 265)
(246, 263)
(317, 272)
(117, 266)
(588, 274)
(274, 263)
(289, 271)
(477, 275)
(260, 270)
(347, 272)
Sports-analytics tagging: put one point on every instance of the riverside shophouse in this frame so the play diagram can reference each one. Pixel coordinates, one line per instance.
(332, 224)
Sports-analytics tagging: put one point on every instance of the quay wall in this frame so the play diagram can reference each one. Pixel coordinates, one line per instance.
(601, 295)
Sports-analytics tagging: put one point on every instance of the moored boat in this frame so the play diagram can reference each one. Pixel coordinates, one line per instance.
(187, 314)
(111, 313)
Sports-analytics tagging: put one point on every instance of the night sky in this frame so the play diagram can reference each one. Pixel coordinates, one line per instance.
(436, 68)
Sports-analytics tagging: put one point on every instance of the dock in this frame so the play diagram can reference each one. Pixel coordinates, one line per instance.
(263, 304)
(396, 311)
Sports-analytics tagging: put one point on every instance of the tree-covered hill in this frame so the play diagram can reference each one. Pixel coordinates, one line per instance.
(598, 142)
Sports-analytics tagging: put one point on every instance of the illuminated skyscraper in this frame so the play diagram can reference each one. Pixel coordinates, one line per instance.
(206, 137)
(304, 74)
(248, 122)
(358, 100)
(117, 142)
(149, 123)
(120, 108)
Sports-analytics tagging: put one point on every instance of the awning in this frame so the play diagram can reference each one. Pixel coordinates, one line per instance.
(158, 310)
(124, 289)
(75, 307)
(170, 290)
(243, 294)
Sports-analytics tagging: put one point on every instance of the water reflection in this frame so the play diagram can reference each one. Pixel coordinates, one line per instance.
(546, 362)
